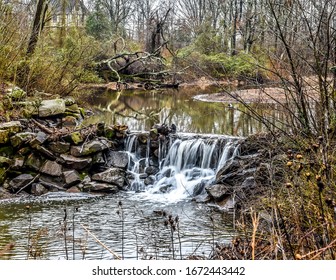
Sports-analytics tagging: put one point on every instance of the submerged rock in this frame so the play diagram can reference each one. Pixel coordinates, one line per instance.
(100, 187)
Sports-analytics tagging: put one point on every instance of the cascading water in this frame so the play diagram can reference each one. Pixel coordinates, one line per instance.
(183, 165)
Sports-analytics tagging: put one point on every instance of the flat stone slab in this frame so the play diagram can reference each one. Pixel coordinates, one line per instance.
(115, 176)
(92, 147)
(75, 162)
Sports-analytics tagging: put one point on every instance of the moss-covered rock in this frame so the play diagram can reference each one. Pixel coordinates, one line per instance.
(21, 138)
(74, 138)
(4, 136)
(49, 108)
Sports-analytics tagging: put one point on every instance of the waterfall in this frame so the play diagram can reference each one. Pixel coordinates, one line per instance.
(181, 166)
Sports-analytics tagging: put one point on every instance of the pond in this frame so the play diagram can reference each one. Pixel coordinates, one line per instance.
(140, 110)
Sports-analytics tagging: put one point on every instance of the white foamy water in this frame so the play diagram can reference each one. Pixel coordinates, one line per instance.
(186, 168)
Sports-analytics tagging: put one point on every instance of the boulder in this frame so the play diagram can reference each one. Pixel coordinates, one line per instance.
(12, 127)
(230, 167)
(18, 163)
(117, 159)
(20, 181)
(52, 168)
(33, 162)
(75, 162)
(21, 138)
(74, 138)
(115, 176)
(73, 189)
(69, 121)
(39, 139)
(59, 147)
(100, 187)
(45, 152)
(71, 178)
(38, 189)
(16, 93)
(89, 148)
(218, 192)
(49, 108)
(52, 186)
(4, 136)
(151, 170)
(150, 180)
(4, 161)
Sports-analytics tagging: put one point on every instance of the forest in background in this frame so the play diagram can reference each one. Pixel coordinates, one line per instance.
(55, 46)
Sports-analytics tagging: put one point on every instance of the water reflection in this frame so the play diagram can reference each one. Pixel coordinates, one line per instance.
(140, 110)
(141, 234)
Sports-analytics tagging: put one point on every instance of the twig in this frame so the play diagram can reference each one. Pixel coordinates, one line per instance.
(101, 243)
(43, 127)
(28, 184)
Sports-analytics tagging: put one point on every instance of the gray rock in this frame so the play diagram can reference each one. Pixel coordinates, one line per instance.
(151, 170)
(166, 188)
(218, 192)
(71, 178)
(59, 147)
(52, 168)
(20, 181)
(21, 138)
(150, 180)
(38, 189)
(229, 168)
(75, 162)
(118, 159)
(143, 176)
(115, 176)
(198, 188)
(74, 189)
(45, 152)
(100, 187)
(69, 121)
(51, 185)
(52, 107)
(92, 147)
(33, 162)
(40, 138)
(18, 163)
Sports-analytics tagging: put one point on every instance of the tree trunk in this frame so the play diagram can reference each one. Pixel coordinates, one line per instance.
(37, 26)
